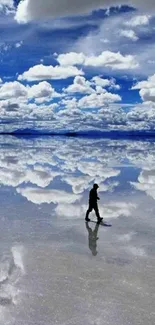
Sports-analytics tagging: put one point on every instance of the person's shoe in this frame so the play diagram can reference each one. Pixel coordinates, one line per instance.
(87, 219)
(99, 220)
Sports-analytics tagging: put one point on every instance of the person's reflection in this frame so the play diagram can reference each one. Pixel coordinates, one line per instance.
(92, 238)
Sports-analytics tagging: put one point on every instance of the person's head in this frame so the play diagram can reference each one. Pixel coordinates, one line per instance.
(96, 186)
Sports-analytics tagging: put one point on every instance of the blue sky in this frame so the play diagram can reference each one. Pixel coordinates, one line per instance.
(77, 66)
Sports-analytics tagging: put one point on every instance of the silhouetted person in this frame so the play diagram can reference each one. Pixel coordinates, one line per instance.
(93, 197)
(92, 238)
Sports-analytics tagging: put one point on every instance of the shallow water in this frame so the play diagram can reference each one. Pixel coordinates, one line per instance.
(54, 268)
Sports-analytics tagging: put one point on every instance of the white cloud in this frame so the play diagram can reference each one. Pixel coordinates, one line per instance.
(39, 196)
(100, 82)
(97, 169)
(147, 94)
(34, 9)
(129, 34)
(146, 182)
(6, 3)
(113, 60)
(138, 21)
(150, 83)
(136, 251)
(147, 176)
(80, 85)
(93, 42)
(70, 211)
(38, 175)
(98, 101)
(11, 270)
(114, 210)
(42, 72)
(12, 90)
(71, 104)
(126, 237)
(42, 92)
(147, 89)
(71, 58)
(18, 44)
(79, 184)
(18, 254)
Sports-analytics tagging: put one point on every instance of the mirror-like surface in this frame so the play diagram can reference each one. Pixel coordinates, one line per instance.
(55, 268)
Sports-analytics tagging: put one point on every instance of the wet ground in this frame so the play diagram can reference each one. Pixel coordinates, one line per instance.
(54, 267)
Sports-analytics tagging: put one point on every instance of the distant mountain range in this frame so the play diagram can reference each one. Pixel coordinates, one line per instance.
(114, 134)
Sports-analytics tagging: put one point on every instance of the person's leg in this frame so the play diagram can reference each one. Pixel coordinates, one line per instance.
(87, 213)
(97, 213)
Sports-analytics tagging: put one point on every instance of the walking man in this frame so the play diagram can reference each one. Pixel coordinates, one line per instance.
(93, 197)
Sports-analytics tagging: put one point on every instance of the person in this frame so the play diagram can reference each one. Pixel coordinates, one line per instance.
(93, 197)
(92, 238)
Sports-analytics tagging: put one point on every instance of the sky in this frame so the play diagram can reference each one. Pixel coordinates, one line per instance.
(77, 65)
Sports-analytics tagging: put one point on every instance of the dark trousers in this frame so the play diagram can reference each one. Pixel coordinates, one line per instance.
(95, 208)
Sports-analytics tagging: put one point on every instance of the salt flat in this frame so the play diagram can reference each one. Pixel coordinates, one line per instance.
(55, 268)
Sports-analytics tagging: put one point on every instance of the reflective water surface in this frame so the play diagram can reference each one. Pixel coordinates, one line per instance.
(54, 267)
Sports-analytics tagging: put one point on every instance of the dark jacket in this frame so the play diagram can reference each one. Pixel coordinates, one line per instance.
(93, 197)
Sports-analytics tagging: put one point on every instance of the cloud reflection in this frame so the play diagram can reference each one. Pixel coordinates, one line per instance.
(62, 170)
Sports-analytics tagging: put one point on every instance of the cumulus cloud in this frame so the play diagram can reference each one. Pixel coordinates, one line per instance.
(79, 184)
(39, 196)
(42, 72)
(109, 29)
(147, 89)
(114, 210)
(138, 21)
(129, 34)
(98, 101)
(97, 169)
(70, 211)
(80, 85)
(12, 90)
(150, 83)
(100, 82)
(94, 86)
(42, 92)
(113, 60)
(18, 44)
(146, 182)
(75, 165)
(147, 94)
(6, 3)
(39, 176)
(71, 58)
(26, 10)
